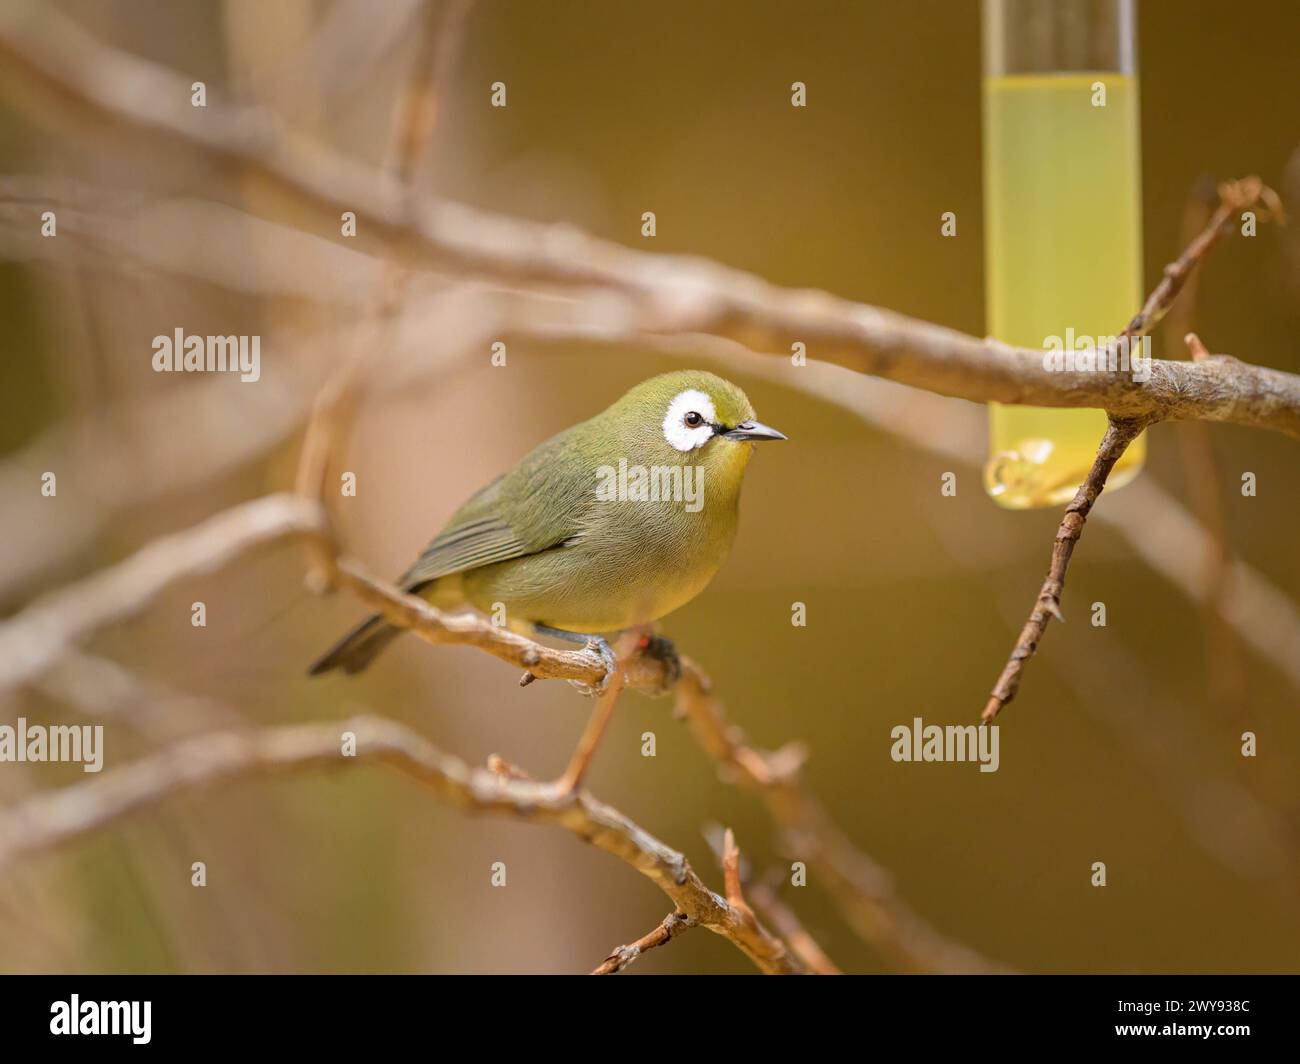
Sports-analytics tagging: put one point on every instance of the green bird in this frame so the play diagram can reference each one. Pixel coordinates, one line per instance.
(610, 525)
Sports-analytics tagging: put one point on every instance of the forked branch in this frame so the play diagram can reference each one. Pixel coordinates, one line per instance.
(51, 819)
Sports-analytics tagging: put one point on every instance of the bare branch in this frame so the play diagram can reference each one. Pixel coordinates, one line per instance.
(786, 924)
(731, 877)
(672, 925)
(1234, 198)
(53, 819)
(1119, 434)
(57, 622)
(35, 638)
(470, 629)
(671, 294)
(601, 716)
(862, 888)
(776, 912)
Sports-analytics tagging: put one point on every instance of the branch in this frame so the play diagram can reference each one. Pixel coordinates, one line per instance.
(1119, 434)
(57, 622)
(470, 629)
(601, 715)
(787, 925)
(1158, 530)
(669, 294)
(862, 888)
(1234, 197)
(766, 901)
(49, 820)
(731, 877)
(672, 925)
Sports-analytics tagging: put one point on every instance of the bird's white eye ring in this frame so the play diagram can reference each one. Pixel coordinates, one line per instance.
(687, 420)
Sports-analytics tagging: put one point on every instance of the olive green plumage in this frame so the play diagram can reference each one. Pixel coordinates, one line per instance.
(542, 540)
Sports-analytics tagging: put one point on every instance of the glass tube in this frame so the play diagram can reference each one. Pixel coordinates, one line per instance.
(1063, 219)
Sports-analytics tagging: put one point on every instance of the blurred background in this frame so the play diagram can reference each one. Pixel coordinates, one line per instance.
(1124, 745)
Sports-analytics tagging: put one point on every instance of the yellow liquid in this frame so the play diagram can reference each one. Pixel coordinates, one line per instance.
(1063, 223)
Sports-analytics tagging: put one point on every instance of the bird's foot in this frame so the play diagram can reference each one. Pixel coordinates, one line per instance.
(594, 645)
(661, 649)
(603, 653)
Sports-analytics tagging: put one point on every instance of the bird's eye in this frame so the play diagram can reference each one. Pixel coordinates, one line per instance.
(693, 420)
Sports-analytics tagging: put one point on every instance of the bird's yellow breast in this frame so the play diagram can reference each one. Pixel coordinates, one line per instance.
(635, 569)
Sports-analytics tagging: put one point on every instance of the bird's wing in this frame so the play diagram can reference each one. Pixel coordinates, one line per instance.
(539, 505)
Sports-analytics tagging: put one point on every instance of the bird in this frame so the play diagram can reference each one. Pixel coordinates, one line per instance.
(610, 525)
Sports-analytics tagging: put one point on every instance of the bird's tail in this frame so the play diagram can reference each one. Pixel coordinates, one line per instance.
(356, 650)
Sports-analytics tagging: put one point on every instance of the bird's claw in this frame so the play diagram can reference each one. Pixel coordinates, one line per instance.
(661, 649)
(605, 655)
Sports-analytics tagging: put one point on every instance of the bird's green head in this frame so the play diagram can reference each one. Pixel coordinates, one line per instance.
(690, 416)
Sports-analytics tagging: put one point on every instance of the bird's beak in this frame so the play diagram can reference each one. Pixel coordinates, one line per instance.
(753, 430)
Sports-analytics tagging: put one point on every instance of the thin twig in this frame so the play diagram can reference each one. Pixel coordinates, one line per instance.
(499, 766)
(1234, 197)
(765, 901)
(668, 929)
(785, 923)
(731, 877)
(1119, 434)
(601, 715)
